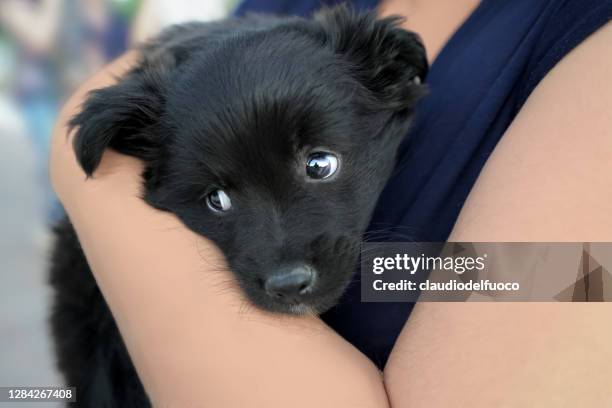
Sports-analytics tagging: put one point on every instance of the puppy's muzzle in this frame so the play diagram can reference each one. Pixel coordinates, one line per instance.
(291, 284)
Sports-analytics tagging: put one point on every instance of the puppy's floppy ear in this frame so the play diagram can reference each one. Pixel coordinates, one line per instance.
(389, 61)
(124, 116)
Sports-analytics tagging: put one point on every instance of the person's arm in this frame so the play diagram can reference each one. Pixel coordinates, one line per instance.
(549, 179)
(193, 337)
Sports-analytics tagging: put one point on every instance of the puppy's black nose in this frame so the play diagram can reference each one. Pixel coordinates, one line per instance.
(290, 284)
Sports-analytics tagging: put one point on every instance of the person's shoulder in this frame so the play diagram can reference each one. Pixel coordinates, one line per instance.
(567, 24)
(549, 177)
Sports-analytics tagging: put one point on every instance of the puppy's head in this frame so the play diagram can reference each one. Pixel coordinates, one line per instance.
(273, 142)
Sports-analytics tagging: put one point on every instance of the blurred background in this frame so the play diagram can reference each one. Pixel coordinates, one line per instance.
(47, 48)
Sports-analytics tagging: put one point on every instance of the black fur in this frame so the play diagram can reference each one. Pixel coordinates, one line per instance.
(239, 105)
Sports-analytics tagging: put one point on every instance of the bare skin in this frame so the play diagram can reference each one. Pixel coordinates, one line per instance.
(549, 179)
(435, 21)
(476, 355)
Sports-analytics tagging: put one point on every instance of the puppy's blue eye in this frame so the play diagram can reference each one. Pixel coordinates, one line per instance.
(321, 165)
(218, 201)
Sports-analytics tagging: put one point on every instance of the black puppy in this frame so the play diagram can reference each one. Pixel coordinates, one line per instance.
(273, 137)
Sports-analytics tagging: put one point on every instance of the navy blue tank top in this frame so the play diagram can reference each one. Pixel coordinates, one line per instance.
(478, 83)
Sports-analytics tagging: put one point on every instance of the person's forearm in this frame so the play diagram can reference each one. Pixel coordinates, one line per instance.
(194, 339)
(190, 333)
